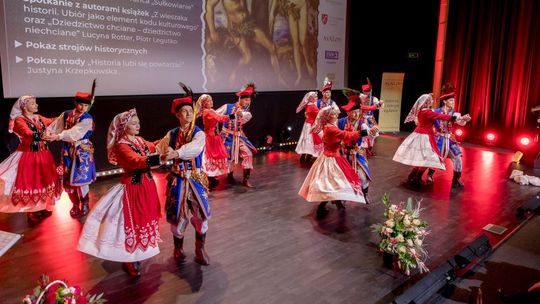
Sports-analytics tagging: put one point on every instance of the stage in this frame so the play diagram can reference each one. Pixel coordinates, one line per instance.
(266, 245)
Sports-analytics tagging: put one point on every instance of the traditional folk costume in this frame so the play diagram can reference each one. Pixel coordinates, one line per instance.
(79, 168)
(187, 185)
(215, 158)
(447, 142)
(28, 177)
(331, 177)
(419, 149)
(309, 143)
(236, 142)
(370, 103)
(322, 102)
(355, 151)
(124, 224)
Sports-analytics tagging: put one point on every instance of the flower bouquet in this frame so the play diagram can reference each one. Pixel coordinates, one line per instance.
(58, 292)
(402, 234)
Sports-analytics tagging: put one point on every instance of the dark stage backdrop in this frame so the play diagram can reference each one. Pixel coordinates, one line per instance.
(373, 49)
(493, 57)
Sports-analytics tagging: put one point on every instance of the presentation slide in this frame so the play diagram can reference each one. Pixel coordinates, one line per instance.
(52, 48)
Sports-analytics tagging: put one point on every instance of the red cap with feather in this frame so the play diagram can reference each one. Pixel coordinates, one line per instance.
(186, 99)
(247, 91)
(85, 97)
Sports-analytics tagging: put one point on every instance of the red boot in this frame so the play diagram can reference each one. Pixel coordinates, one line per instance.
(200, 254)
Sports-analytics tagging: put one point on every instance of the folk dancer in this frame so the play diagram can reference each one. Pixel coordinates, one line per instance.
(215, 156)
(355, 151)
(331, 177)
(28, 177)
(370, 103)
(236, 141)
(123, 226)
(446, 139)
(187, 185)
(326, 99)
(310, 144)
(419, 148)
(74, 128)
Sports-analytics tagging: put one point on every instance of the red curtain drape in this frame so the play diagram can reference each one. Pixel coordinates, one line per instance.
(492, 56)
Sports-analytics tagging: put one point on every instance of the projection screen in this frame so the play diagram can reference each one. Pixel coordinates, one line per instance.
(51, 48)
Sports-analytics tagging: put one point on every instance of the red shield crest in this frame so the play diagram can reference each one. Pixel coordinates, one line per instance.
(324, 18)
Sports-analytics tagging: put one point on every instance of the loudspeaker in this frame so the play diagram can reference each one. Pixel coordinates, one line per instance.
(428, 285)
(476, 251)
(529, 206)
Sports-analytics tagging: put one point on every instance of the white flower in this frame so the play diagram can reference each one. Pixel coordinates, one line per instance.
(400, 237)
(413, 251)
(389, 223)
(393, 208)
(416, 222)
(402, 249)
(406, 222)
(418, 242)
(389, 230)
(66, 291)
(410, 243)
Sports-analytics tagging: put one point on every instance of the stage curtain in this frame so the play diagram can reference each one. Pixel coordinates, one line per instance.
(492, 55)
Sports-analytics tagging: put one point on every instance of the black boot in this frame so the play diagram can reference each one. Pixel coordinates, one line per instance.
(230, 178)
(245, 182)
(85, 208)
(178, 253)
(321, 210)
(366, 197)
(45, 213)
(213, 182)
(339, 205)
(456, 182)
(429, 179)
(303, 158)
(417, 181)
(131, 269)
(33, 217)
(412, 175)
(200, 254)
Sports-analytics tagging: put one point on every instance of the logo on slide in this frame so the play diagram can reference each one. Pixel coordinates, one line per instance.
(334, 55)
(324, 18)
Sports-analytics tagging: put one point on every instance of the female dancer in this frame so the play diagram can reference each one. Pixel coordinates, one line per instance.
(123, 226)
(215, 155)
(419, 149)
(331, 178)
(28, 177)
(309, 144)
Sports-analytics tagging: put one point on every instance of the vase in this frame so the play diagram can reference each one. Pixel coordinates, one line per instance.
(388, 260)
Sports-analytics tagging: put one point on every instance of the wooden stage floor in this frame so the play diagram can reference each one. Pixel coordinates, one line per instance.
(265, 244)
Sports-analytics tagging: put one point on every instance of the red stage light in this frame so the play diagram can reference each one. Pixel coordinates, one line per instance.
(524, 141)
(490, 136)
(459, 132)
